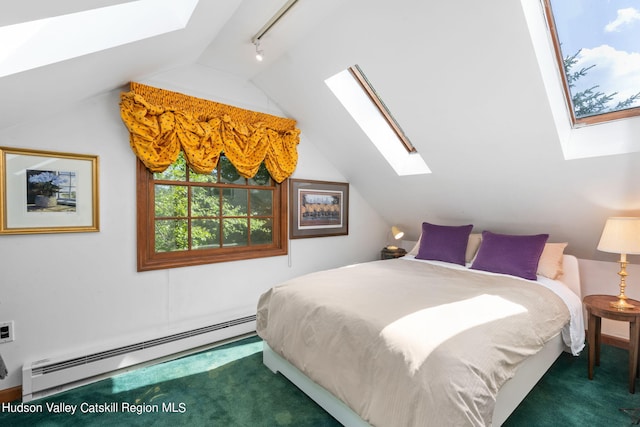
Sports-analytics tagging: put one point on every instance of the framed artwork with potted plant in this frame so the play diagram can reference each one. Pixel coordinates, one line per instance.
(47, 192)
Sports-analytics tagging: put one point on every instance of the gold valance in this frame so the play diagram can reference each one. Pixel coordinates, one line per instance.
(161, 123)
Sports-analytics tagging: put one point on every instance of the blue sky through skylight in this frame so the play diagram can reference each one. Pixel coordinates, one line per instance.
(608, 32)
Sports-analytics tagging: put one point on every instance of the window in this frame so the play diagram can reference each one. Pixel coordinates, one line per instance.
(185, 218)
(356, 94)
(28, 45)
(67, 191)
(597, 49)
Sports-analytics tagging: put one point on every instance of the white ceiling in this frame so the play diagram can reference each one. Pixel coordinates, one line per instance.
(58, 85)
(30, 10)
(461, 78)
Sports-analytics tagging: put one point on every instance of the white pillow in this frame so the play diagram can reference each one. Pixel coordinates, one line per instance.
(550, 264)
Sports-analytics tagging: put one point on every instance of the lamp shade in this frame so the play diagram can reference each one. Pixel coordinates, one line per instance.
(621, 235)
(396, 232)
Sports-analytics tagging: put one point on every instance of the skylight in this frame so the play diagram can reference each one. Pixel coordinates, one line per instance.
(607, 138)
(33, 44)
(361, 101)
(597, 48)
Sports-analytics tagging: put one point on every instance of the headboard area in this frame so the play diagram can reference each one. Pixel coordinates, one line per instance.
(571, 274)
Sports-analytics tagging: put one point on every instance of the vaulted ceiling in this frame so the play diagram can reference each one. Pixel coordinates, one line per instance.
(461, 78)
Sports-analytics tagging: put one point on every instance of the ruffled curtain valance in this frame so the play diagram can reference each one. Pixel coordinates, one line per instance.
(161, 123)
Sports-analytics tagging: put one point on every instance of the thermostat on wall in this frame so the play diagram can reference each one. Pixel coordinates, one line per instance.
(6, 332)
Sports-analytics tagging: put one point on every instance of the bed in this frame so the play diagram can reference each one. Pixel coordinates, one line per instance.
(417, 342)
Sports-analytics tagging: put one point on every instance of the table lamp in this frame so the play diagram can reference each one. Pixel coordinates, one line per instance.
(397, 234)
(621, 235)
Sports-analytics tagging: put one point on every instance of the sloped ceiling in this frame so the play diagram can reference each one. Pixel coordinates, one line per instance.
(461, 78)
(40, 91)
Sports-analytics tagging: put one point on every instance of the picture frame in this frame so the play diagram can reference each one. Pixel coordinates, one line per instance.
(48, 192)
(318, 208)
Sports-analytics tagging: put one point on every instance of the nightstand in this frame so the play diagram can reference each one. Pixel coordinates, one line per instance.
(599, 307)
(389, 253)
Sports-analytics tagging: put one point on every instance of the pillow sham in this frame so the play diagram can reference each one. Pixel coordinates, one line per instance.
(517, 255)
(472, 246)
(550, 264)
(444, 242)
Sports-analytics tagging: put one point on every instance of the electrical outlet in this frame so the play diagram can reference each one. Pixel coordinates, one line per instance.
(6, 331)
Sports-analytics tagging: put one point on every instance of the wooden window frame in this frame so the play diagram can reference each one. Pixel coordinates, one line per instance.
(358, 74)
(149, 259)
(588, 120)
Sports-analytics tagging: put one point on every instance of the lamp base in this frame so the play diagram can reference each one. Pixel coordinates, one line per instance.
(622, 304)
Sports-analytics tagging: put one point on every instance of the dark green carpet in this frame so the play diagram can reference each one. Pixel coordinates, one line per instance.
(229, 386)
(566, 397)
(225, 386)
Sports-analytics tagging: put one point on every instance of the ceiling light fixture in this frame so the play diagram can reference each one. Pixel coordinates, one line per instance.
(259, 56)
(266, 27)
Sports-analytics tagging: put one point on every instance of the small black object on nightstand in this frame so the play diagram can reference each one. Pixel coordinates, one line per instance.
(392, 252)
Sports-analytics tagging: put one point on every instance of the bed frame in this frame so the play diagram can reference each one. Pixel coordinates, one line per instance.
(509, 396)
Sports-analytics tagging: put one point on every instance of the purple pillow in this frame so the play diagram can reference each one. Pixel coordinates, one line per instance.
(444, 242)
(508, 254)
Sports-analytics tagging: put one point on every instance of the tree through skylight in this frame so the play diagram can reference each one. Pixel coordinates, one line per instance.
(598, 50)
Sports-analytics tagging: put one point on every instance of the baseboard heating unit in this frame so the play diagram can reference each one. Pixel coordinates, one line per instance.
(49, 376)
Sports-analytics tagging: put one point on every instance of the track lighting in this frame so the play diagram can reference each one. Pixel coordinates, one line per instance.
(259, 56)
(268, 25)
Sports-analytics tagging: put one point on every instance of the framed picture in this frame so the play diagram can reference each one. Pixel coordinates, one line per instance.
(47, 192)
(318, 208)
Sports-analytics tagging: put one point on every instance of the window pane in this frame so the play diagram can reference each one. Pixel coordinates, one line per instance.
(171, 200)
(205, 234)
(598, 41)
(261, 231)
(261, 202)
(364, 105)
(171, 235)
(176, 172)
(228, 172)
(262, 177)
(200, 177)
(205, 201)
(234, 202)
(235, 231)
(67, 192)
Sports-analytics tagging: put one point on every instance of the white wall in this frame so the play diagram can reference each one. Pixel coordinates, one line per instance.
(78, 292)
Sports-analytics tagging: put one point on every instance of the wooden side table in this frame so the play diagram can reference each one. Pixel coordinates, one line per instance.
(599, 307)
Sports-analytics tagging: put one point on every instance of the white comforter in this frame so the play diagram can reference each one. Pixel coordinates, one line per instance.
(410, 343)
